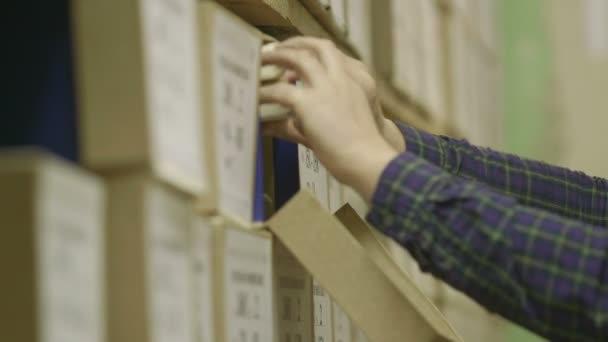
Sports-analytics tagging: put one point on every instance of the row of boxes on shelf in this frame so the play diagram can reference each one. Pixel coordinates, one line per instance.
(129, 258)
(153, 78)
(442, 55)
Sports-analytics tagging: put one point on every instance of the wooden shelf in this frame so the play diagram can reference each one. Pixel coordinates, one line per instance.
(286, 18)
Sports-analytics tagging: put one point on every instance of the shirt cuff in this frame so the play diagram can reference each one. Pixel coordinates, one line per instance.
(401, 203)
(433, 148)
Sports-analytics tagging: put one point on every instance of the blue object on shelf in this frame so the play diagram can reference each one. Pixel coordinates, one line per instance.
(38, 97)
(286, 171)
(258, 200)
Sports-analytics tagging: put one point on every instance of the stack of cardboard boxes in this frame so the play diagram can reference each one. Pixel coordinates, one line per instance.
(169, 118)
(162, 238)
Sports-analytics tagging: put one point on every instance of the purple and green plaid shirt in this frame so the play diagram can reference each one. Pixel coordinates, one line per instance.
(526, 240)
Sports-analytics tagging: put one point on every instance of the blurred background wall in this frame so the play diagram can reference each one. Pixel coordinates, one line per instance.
(555, 61)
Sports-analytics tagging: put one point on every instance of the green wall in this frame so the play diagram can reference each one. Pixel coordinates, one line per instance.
(526, 60)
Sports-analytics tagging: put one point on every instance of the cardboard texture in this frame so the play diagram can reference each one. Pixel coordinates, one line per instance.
(201, 257)
(293, 296)
(148, 264)
(342, 324)
(383, 45)
(230, 67)
(324, 246)
(359, 28)
(473, 322)
(139, 97)
(315, 179)
(243, 284)
(51, 249)
(433, 98)
(338, 10)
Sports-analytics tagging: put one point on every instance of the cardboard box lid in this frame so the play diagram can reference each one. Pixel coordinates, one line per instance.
(358, 274)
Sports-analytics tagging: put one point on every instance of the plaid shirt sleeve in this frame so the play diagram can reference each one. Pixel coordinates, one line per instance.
(543, 271)
(559, 190)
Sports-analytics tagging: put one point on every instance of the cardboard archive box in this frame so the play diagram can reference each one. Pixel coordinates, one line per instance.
(243, 284)
(293, 296)
(315, 179)
(201, 258)
(230, 62)
(51, 250)
(359, 27)
(433, 95)
(338, 9)
(343, 329)
(384, 304)
(139, 92)
(148, 264)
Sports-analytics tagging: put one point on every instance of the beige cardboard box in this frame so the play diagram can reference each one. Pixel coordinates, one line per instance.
(359, 27)
(149, 292)
(243, 284)
(230, 62)
(433, 96)
(139, 92)
(460, 75)
(201, 257)
(293, 296)
(383, 45)
(385, 304)
(472, 321)
(358, 335)
(51, 250)
(315, 179)
(338, 10)
(335, 194)
(408, 76)
(342, 324)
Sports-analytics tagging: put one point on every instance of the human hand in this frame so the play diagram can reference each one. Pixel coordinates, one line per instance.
(332, 113)
(359, 73)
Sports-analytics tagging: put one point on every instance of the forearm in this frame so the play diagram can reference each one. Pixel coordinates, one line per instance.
(559, 190)
(517, 261)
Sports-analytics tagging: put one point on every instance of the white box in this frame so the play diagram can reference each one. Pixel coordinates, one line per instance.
(293, 296)
(51, 250)
(315, 178)
(355, 200)
(336, 195)
(230, 62)
(243, 291)
(342, 325)
(139, 94)
(149, 289)
(201, 252)
(313, 175)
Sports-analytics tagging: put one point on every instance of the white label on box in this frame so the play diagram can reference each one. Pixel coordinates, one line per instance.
(313, 175)
(70, 258)
(169, 30)
(203, 297)
(293, 299)
(336, 200)
(342, 326)
(248, 288)
(235, 66)
(168, 267)
(323, 324)
(597, 28)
